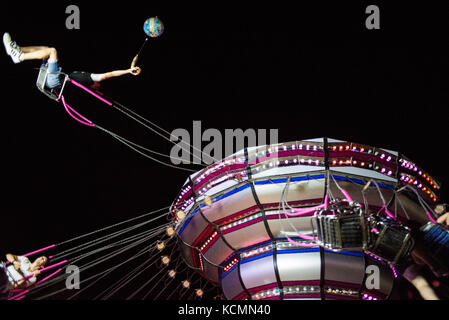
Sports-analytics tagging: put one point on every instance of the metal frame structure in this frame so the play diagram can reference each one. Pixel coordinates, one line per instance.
(42, 79)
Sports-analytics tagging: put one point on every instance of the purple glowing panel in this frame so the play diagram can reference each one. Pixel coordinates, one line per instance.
(231, 284)
(258, 272)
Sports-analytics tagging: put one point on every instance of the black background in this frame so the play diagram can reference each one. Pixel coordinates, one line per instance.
(307, 70)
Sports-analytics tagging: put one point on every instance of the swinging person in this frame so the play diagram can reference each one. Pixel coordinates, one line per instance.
(49, 56)
(21, 272)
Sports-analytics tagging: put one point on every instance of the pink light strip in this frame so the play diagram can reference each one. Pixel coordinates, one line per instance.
(430, 217)
(387, 212)
(19, 296)
(394, 270)
(87, 122)
(49, 276)
(91, 92)
(306, 245)
(305, 211)
(54, 265)
(40, 250)
(346, 194)
(306, 237)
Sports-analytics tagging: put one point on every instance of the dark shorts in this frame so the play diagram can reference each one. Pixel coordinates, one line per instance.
(82, 77)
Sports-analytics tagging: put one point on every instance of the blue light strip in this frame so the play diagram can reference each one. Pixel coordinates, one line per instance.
(187, 221)
(348, 253)
(284, 180)
(358, 181)
(299, 250)
(260, 256)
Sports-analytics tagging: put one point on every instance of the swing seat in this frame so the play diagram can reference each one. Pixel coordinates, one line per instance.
(55, 93)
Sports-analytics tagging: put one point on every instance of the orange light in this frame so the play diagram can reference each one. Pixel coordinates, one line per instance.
(362, 164)
(186, 284)
(424, 189)
(423, 175)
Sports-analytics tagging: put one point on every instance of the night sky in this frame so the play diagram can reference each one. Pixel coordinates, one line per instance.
(308, 71)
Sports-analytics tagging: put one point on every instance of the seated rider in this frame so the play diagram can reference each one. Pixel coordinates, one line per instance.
(50, 57)
(20, 273)
(413, 273)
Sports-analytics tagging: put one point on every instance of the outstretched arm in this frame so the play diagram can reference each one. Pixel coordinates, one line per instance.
(413, 275)
(444, 219)
(13, 259)
(118, 73)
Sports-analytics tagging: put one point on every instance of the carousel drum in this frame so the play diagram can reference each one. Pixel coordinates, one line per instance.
(271, 222)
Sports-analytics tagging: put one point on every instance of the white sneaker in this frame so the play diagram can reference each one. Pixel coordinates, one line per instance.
(12, 49)
(6, 42)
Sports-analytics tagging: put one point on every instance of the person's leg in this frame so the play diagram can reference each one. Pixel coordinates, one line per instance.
(32, 48)
(49, 54)
(19, 54)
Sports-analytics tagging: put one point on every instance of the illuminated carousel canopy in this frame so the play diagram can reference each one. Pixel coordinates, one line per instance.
(303, 219)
